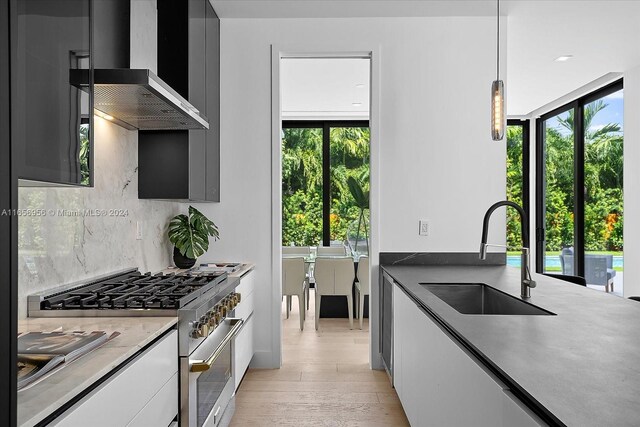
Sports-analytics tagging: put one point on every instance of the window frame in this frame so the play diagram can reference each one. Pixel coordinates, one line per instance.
(578, 175)
(326, 126)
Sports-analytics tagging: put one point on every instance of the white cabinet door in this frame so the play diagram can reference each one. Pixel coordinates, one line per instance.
(439, 383)
(162, 408)
(122, 397)
(247, 284)
(243, 347)
(398, 326)
(514, 413)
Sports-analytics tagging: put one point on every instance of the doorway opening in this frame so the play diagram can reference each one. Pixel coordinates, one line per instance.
(325, 199)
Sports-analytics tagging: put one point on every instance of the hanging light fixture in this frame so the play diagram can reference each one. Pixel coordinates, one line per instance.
(497, 92)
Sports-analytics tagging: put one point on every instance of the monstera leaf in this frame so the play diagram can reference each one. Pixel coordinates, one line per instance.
(190, 234)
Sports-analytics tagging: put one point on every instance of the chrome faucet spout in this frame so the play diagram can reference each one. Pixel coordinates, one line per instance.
(526, 282)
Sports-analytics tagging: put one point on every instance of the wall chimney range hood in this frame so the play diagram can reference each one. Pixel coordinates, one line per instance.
(137, 99)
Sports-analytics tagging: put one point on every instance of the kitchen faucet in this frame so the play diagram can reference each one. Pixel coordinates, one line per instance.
(526, 283)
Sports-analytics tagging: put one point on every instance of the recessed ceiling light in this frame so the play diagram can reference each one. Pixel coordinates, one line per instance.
(108, 117)
(563, 58)
(356, 104)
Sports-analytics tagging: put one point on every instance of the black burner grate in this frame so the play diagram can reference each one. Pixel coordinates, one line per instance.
(135, 291)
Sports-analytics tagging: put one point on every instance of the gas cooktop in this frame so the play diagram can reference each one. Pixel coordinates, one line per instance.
(126, 293)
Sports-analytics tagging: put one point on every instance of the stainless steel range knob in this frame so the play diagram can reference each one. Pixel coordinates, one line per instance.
(211, 320)
(203, 330)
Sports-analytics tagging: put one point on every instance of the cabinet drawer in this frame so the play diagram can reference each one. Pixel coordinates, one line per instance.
(245, 308)
(243, 351)
(247, 284)
(162, 408)
(125, 394)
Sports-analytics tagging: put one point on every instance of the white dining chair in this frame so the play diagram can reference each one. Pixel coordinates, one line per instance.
(334, 276)
(303, 251)
(331, 251)
(294, 283)
(362, 286)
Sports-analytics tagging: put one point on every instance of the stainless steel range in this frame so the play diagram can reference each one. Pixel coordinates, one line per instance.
(204, 303)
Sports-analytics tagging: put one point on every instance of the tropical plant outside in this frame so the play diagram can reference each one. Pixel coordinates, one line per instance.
(302, 182)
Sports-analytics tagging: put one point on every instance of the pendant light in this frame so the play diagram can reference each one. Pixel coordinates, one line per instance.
(497, 92)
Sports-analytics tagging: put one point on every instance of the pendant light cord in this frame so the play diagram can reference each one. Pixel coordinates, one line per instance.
(498, 42)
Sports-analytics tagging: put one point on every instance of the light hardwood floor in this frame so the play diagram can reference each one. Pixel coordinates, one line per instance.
(325, 380)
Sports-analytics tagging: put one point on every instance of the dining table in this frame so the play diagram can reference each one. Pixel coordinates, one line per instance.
(334, 306)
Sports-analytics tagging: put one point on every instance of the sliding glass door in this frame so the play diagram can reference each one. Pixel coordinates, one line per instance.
(580, 187)
(558, 151)
(325, 183)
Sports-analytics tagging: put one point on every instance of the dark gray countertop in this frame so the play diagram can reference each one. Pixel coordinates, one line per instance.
(582, 365)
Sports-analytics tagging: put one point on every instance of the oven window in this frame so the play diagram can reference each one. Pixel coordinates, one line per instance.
(211, 384)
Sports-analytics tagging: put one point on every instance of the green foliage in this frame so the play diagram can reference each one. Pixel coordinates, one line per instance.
(603, 182)
(83, 155)
(302, 182)
(190, 234)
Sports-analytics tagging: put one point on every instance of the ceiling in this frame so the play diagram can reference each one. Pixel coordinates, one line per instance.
(602, 35)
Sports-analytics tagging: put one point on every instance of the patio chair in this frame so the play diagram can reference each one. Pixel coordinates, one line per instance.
(598, 269)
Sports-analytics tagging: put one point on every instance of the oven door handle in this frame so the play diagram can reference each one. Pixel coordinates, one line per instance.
(204, 365)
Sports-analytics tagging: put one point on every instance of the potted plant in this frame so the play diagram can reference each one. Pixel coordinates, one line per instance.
(190, 236)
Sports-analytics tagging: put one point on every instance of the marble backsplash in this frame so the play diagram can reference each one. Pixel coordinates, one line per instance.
(62, 239)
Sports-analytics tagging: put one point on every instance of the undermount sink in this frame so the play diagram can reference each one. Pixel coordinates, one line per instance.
(479, 298)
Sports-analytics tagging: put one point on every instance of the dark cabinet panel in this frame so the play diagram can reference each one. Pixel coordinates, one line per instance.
(51, 120)
(163, 165)
(189, 61)
(212, 46)
(386, 321)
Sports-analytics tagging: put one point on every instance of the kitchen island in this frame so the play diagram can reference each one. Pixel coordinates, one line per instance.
(577, 367)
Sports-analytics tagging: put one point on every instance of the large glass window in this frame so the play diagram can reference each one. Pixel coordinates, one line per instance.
(580, 204)
(302, 186)
(325, 183)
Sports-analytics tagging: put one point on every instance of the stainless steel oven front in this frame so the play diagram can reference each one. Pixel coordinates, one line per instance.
(206, 377)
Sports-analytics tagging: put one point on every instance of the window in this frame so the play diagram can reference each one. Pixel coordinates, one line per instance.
(579, 197)
(318, 160)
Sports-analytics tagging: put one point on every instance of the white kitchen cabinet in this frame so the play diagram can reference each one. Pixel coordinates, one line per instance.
(243, 342)
(439, 383)
(134, 394)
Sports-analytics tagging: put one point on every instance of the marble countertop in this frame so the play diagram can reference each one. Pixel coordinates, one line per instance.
(43, 398)
(579, 366)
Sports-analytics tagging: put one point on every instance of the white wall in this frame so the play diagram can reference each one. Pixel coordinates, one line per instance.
(631, 182)
(437, 159)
